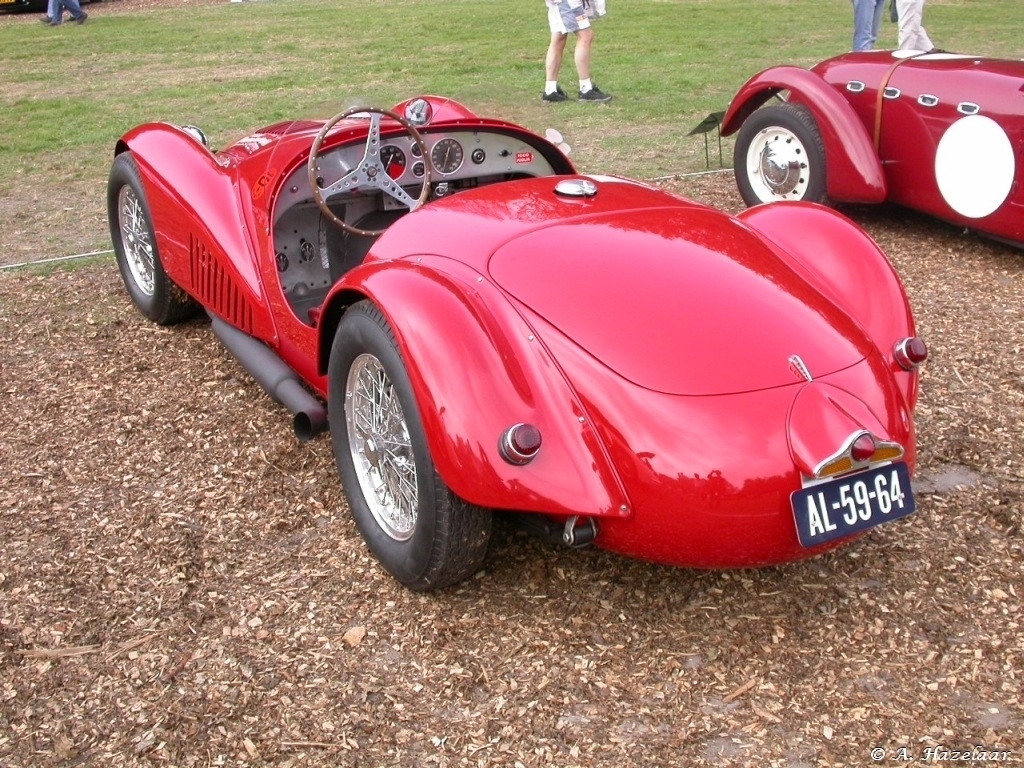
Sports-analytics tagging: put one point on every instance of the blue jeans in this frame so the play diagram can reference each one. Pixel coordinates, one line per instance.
(867, 18)
(55, 10)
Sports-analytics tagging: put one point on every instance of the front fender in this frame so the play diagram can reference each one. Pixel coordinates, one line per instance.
(203, 231)
(477, 368)
(854, 171)
(845, 264)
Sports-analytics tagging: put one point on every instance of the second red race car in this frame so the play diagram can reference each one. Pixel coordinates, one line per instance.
(940, 133)
(484, 329)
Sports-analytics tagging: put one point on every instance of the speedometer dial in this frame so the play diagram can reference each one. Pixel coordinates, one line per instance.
(393, 160)
(446, 156)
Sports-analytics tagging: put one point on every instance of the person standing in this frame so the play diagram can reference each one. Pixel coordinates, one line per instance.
(912, 36)
(867, 18)
(565, 16)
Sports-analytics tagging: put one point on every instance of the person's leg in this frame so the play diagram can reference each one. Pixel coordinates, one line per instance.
(553, 60)
(581, 53)
(876, 20)
(552, 65)
(912, 36)
(58, 12)
(77, 14)
(867, 20)
(863, 15)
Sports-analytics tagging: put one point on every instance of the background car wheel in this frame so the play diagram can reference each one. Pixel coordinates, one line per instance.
(779, 155)
(131, 230)
(423, 535)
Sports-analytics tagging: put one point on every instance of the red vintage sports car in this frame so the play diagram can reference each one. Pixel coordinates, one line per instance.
(940, 133)
(493, 331)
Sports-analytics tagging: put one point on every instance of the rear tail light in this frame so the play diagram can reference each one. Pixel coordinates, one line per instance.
(861, 449)
(910, 352)
(519, 444)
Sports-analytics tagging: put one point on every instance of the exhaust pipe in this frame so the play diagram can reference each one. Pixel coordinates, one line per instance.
(279, 381)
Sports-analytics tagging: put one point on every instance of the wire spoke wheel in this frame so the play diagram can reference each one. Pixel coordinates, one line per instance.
(381, 447)
(132, 233)
(138, 249)
(419, 530)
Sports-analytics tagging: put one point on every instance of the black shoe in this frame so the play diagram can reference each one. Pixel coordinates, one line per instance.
(558, 95)
(595, 95)
(81, 19)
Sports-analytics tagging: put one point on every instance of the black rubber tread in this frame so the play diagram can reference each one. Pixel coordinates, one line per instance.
(797, 119)
(169, 304)
(451, 537)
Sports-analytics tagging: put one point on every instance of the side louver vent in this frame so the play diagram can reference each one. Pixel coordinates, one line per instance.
(215, 288)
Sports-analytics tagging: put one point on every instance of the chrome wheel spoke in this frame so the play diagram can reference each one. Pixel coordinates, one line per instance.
(138, 249)
(381, 447)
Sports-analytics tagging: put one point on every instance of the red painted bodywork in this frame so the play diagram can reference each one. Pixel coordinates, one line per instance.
(843, 95)
(647, 337)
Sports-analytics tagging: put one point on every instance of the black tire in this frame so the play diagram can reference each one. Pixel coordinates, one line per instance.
(779, 155)
(427, 537)
(131, 231)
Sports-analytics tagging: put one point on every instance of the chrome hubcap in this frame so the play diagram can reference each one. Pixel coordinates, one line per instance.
(777, 165)
(138, 250)
(381, 449)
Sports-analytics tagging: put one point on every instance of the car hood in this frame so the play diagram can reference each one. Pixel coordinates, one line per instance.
(681, 299)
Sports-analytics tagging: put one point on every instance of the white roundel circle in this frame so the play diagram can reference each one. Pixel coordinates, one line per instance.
(974, 166)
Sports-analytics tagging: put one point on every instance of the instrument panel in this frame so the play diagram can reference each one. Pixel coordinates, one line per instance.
(458, 159)
(451, 156)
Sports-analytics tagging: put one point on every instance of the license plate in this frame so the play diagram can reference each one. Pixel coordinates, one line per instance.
(837, 508)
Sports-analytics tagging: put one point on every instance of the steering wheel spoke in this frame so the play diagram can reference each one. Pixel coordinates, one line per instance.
(355, 179)
(370, 173)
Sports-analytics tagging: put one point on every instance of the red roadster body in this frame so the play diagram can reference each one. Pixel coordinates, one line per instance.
(493, 331)
(941, 133)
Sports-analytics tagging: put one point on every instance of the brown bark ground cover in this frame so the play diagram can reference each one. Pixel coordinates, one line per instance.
(180, 582)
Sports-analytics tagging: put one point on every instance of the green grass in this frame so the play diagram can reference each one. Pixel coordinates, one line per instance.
(231, 67)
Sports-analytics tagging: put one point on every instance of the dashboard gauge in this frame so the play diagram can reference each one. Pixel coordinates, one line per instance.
(478, 156)
(446, 156)
(415, 149)
(417, 169)
(393, 160)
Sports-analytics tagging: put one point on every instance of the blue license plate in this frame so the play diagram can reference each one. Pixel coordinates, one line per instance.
(852, 503)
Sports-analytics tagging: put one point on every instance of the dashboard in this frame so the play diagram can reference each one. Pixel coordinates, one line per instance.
(311, 252)
(457, 159)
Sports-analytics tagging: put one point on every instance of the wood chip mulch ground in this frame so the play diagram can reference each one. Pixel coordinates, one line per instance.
(181, 585)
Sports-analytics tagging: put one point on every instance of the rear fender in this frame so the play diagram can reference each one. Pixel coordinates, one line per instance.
(854, 172)
(476, 369)
(845, 264)
(202, 228)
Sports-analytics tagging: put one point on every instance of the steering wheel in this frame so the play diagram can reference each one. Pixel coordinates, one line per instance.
(370, 172)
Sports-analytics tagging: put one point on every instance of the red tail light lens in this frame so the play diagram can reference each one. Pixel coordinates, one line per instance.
(910, 352)
(519, 444)
(863, 448)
